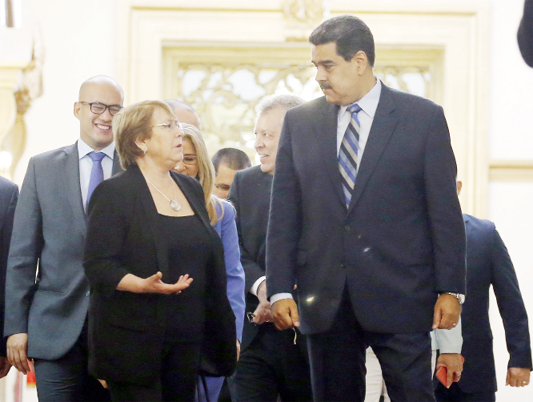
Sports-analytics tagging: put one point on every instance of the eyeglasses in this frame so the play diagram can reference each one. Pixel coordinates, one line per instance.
(171, 125)
(190, 159)
(99, 108)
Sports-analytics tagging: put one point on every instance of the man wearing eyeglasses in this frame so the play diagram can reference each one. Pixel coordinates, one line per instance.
(47, 294)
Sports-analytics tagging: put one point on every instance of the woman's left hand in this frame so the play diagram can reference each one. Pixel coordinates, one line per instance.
(153, 284)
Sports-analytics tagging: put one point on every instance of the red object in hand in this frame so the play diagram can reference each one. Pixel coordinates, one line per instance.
(442, 375)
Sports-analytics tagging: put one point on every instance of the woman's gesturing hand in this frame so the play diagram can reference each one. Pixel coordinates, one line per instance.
(154, 284)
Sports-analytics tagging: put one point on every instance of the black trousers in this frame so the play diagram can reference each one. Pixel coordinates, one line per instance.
(454, 393)
(337, 360)
(177, 381)
(67, 379)
(271, 366)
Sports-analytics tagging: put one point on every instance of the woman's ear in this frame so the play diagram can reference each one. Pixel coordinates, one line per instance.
(143, 146)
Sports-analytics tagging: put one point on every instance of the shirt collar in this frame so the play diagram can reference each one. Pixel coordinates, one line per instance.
(84, 149)
(369, 102)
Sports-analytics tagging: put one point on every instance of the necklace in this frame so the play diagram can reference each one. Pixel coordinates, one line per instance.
(174, 204)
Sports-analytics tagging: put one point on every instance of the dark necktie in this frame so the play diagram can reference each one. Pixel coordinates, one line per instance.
(348, 154)
(97, 173)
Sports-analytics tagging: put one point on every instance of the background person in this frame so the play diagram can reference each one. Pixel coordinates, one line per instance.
(222, 217)
(273, 363)
(489, 264)
(227, 162)
(8, 200)
(46, 317)
(145, 334)
(185, 112)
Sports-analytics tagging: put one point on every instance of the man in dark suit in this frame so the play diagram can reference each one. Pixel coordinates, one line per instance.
(366, 221)
(272, 363)
(488, 263)
(8, 200)
(47, 293)
(525, 33)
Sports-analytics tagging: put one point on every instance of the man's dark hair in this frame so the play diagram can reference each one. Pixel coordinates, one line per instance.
(350, 34)
(232, 157)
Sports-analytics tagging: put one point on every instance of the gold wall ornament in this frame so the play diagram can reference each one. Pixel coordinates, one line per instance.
(28, 88)
(225, 89)
(302, 16)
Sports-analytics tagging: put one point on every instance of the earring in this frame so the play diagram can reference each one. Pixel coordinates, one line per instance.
(145, 151)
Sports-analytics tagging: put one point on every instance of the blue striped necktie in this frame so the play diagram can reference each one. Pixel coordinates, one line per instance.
(348, 154)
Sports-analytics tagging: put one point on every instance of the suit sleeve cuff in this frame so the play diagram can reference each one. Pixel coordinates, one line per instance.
(255, 286)
(279, 296)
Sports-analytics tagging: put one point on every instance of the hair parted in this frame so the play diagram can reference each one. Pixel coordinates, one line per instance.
(350, 34)
(232, 157)
(206, 170)
(134, 123)
(285, 101)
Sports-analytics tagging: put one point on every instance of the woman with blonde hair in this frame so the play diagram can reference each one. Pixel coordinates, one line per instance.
(196, 163)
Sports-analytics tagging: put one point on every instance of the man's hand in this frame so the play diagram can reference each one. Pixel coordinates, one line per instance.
(285, 313)
(103, 383)
(517, 376)
(262, 313)
(454, 366)
(17, 352)
(4, 366)
(446, 313)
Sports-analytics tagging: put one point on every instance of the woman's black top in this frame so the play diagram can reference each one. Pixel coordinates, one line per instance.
(189, 249)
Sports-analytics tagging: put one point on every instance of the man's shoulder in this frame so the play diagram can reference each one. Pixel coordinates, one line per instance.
(251, 173)
(406, 100)
(477, 224)
(7, 185)
(54, 154)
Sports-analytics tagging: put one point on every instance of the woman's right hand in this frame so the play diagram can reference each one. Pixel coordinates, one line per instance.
(153, 284)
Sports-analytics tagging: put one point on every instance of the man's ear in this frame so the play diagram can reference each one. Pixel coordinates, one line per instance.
(77, 109)
(361, 61)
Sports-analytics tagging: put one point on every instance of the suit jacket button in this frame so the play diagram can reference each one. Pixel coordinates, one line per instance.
(88, 293)
(343, 266)
(347, 228)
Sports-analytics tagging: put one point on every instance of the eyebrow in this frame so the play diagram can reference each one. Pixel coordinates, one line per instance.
(322, 62)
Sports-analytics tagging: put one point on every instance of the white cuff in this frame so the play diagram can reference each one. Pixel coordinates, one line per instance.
(279, 296)
(255, 286)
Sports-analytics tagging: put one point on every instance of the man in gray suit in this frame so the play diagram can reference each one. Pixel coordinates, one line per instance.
(46, 289)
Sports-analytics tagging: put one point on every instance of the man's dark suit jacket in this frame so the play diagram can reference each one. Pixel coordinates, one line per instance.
(250, 194)
(488, 263)
(8, 200)
(401, 241)
(126, 330)
(525, 33)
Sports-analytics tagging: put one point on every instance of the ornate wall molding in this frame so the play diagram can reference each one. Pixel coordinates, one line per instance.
(21, 88)
(457, 32)
(511, 170)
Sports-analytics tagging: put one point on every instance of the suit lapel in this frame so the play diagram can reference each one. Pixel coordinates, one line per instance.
(71, 179)
(382, 128)
(327, 134)
(116, 165)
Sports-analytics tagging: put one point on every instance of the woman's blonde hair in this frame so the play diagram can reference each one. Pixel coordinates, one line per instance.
(134, 123)
(206, 170)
